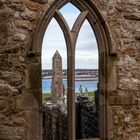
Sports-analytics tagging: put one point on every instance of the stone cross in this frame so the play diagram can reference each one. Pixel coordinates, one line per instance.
(57, 78)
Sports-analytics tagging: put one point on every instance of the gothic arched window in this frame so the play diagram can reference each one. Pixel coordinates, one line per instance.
(88, 12)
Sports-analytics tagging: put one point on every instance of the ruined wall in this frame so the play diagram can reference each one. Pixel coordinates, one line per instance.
(51, 123)
(55, 123)
(19, 75)
(87, 119)
(123, 18)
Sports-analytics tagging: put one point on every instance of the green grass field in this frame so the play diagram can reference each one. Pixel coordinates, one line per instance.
(90, 93)
(46, 95)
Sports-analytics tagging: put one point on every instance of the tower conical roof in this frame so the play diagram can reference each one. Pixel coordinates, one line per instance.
(57, 55)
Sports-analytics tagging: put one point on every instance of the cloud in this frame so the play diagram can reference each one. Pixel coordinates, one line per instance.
(80, 63)
(89, 63)
(86, 45)
(86, 48)
(47, 64)
(70, 13)
(86, 55)
(70, 18)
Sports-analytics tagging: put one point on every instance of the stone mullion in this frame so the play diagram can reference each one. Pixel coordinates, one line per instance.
(71, 74)
(71, 97)
(77, 26)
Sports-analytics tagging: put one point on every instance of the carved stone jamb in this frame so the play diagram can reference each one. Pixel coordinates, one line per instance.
(103, 37)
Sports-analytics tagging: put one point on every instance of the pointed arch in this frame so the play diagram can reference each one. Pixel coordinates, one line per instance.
(65, 28)
(77, 25)
(86, 44)
(94, 17)
(74, 11)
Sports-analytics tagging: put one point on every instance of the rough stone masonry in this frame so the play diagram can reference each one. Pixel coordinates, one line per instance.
(19, 75)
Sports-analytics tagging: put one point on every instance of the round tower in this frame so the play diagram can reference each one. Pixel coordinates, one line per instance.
(57, 78)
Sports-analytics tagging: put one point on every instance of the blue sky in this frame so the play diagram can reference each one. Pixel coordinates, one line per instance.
(86, 48)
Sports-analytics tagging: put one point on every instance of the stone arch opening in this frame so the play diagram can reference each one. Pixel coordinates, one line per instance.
(89, 11)
(86, 77)
(53, 41)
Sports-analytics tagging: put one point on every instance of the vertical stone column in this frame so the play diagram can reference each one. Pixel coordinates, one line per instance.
(57, 78)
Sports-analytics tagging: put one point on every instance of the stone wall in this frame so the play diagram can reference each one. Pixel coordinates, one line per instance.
(51, 123)
(19, 75)
(89, 121)
(55, 123)
(63, 124)
(87, 118)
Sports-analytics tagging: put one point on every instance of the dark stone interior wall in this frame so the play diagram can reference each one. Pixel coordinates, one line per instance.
(19, 106)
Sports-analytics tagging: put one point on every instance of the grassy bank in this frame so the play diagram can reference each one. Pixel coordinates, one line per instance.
(90, 93)
(47, 95)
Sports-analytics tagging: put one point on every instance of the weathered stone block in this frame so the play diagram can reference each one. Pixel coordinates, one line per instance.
(137, 36)
(3, 61)
(14, 60)
(5, 15)
(18, 7)
(3, 30)
(13, 78)
(19, 37)
(18, 121)
(6, 90)
(26, 102)
(2, 105)
(3, 41)
(130, 26)
(131, 16)
(40, 1)
(28, 15)
(127, 61)
(11, 133)
(121, 100)
(33, 77)
(35, 5)
(133, 137)
(129, 84)
(32, 116)
(22, 24)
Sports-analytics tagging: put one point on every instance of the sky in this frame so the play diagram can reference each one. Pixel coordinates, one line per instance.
(86, 47)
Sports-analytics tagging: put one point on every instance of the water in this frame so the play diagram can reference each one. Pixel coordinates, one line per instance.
(90, 85)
